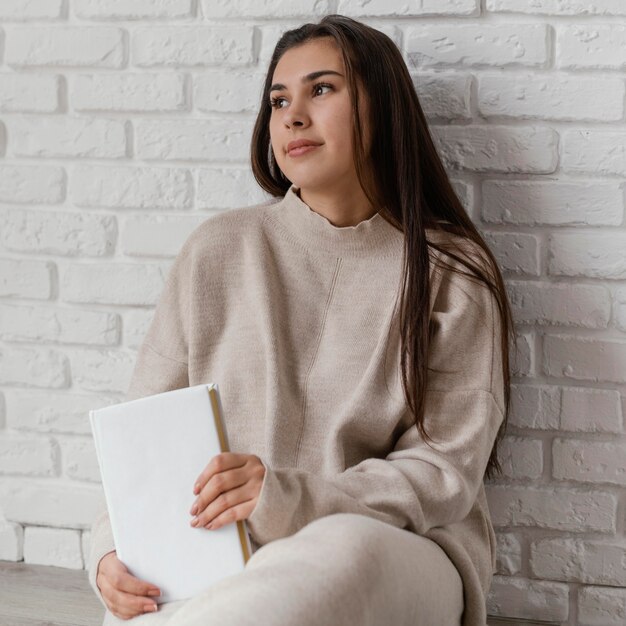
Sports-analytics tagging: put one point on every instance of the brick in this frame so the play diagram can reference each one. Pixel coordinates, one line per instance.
(601, 606)
(132, 187)
(590, 410)
(273, 9)
(522, 355)
(438, 45)
(29, 93)
(24, 184)
(132, 9)
(559, 7)
(65, 46)
(555, 203)
(589, 306)
(47, 502)
(580, 46)
(589, 461)
(62, 325)
(583, 358)
(465, 193)
(26, 279)
(523, 598)
(53, 411)
(521, 457)
(269, 33)
(551, 97)
(113, 283)
(3, 415)
(18, 10)
(224, 188)
(517, 253)
(34, 367)
(58, 232)
(80, 461)
(443, 96)
(564, 509)
(156, 235)
(68, 137)
(535, 406)
(497, 148)
(11, 541)
(620, 309)
(228, 91)
(596, 255)
(579, 560)
(28, 455)
(53, 546)
(192, 46)
(129, 92)
(193, 140)
(102, 370)
(85, 545)
(508, 554)
(381, 8)
(136, 326)
(594, 151)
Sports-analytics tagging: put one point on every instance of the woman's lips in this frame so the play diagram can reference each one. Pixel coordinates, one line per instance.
(294, 152)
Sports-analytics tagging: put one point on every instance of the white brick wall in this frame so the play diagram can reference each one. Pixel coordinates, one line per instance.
(124, 124)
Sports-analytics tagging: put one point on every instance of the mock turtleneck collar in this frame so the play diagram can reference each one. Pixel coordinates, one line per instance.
(371, 237)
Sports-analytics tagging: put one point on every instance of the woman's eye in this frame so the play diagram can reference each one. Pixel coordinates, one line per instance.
(319, 85)
(276, 102)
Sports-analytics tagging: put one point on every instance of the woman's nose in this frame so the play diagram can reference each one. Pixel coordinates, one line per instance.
(296, 116)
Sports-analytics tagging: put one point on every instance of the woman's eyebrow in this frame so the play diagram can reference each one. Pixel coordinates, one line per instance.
(307, 78)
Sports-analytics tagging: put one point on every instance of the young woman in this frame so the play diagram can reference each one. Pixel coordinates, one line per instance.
(358, 327)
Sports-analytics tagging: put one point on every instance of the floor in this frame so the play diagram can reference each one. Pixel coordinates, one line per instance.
(40, 595)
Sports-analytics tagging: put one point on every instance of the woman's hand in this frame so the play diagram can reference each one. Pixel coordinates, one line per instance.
(124, 595)
(228, 490)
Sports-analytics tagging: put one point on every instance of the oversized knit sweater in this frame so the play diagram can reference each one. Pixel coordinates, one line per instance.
(296, 320)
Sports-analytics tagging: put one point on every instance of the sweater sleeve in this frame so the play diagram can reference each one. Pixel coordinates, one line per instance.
(416, 487)
(161, 365)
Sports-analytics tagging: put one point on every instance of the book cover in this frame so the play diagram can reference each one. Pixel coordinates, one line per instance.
(151, 451)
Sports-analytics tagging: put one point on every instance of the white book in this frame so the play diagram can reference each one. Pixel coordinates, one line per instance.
(151, 451)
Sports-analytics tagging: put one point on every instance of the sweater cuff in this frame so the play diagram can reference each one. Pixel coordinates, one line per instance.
(263, 522)
(101, 543)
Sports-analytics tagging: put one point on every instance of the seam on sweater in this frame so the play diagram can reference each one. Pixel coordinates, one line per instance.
(169, 358)
(317, 347)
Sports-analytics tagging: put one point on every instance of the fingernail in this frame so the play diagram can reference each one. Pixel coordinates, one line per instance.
(196, 487)
(194, 509)
(194, 521)
(150, 607)
(154, 592)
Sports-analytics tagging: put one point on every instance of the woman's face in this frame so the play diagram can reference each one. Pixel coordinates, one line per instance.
(316, 108)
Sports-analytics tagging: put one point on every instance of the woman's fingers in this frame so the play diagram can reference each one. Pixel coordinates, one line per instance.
(219, 486)
(224, 508)
(238, 512)
(127, 604)
(125, 594)
(218, 464)
(126, 582)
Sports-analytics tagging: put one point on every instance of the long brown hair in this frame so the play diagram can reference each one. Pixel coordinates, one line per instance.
(405, 176)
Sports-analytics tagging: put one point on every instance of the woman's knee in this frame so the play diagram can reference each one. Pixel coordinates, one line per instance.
(356, 535)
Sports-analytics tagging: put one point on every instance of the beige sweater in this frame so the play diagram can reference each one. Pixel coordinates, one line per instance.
(294, 318)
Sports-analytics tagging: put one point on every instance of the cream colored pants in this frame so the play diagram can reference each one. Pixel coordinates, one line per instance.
(340, 570)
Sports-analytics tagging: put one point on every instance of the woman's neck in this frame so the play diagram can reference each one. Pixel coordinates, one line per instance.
(346, 207)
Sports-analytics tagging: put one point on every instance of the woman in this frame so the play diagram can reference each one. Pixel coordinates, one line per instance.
(358, 328)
